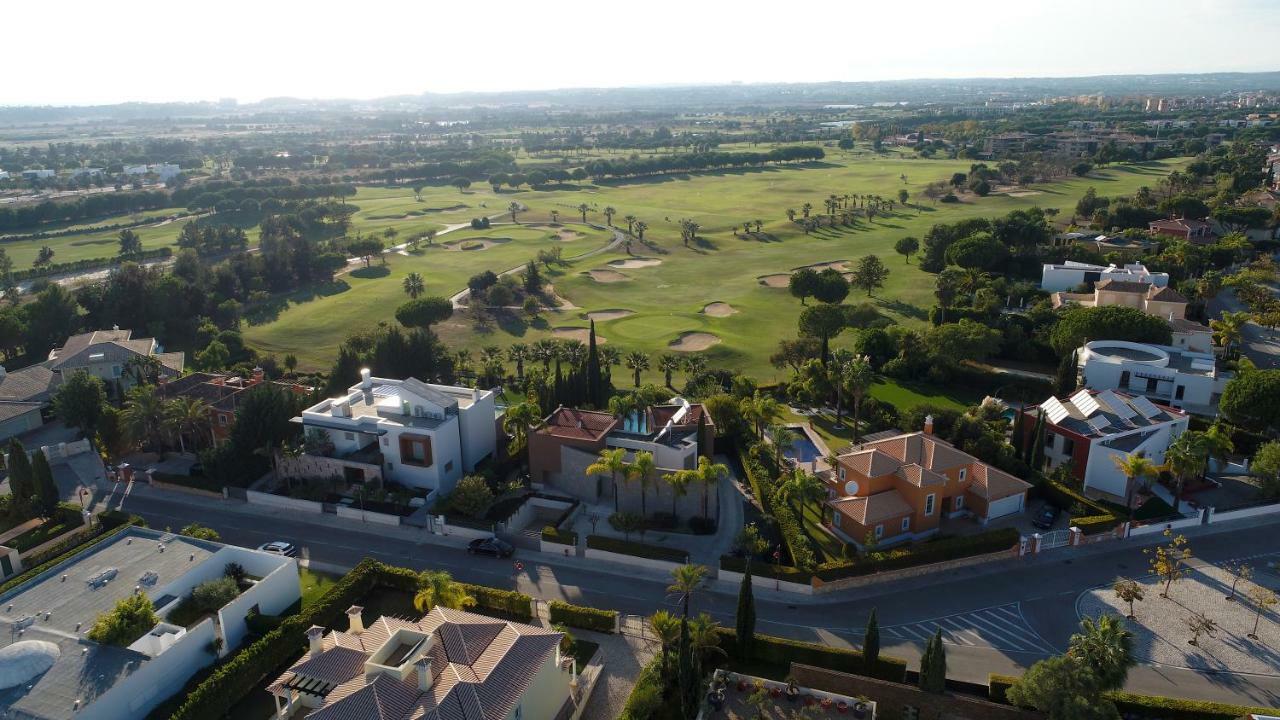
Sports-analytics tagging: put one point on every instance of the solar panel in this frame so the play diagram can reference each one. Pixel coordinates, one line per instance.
(1145, 406)
(1085, 402)
(1054, 409)
(1116, 404)
(1099, 423)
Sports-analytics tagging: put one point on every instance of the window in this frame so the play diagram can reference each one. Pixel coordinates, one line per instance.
(1048, 440)
(906, 524)
(386, 441)
(1068, 446)
(1152, 384)
(448, 466)
(1124, 378)
(928, 504)
(1182, 390)
(115, 371)
(222, 420)
(348, 436)
(958, 503)
(842, 472)
(963, 472)
(879, 531)
(835, 517)
(415, 450)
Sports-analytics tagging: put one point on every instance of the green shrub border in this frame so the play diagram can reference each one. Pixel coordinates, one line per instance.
(924, 553)
(635, 549)
(1095, 524)
(784, 651)
(587, 618)
(785, 573)
(1147, 706)
(646, 694)
(555, 535)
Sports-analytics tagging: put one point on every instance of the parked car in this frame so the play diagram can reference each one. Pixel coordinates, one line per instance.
(279, 547)
(1047, 516)
(490, 546)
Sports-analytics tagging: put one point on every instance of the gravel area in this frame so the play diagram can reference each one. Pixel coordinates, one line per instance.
(1161, 634)
(623, 655)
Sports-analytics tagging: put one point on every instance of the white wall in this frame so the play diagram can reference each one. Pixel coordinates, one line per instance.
(631, 560)
(764, 583)
(355, 513)
(280, 501)
(1101, 472)
(136, 695)
(664, 456)
(479, 430)
(446, 457)
(546, 693)
(277, 590)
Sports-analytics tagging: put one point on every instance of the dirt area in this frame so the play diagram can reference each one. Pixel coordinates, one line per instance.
(602, 315)
(633, 263)
(580, 334)
(561, 303)
(605, 275)
(563, 234)
(719, 309)
(780, 280)
(693, 342)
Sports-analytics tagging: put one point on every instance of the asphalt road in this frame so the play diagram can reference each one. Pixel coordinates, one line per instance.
(997, 622)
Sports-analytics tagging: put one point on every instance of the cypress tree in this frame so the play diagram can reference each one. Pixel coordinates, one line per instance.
(1037, 443)
(21, 485)
(746, 626)
(871, 643)
(595, 385)
(933, 665)
(686, 682)
(46, 490)
(1020, 434)
(1065, 382)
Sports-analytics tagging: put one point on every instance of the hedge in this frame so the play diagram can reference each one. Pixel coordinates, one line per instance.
(998, 687)
(553, 534)
(1095, 524)
(783, 652)
(1167, 708)
(91, 264)
(587, 618)
(1065, 497)
(647, 695)
(786, 573)
(794, 537)
(509, 603)
(924, 553)
(635, 549)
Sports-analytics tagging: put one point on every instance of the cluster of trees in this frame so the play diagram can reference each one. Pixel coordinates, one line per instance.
(659, 165)
(208, 239)
(32, 490)
(479, 165)
(84, 207)
(987, 242)
(536, 178)
(251, 196)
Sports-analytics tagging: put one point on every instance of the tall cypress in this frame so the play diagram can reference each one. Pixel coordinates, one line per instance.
(1037, 442)
(1020, 433)
(595, 386)
(871, 643)
(21, 486)
(46, 491)
(933, 665)
(686, 680)
(1065, 381)
(746, 618)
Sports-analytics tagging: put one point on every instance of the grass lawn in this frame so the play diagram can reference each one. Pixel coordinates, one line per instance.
(828, 546)
(40, 534)
(667, 299)
(315, 584)
(104, 243)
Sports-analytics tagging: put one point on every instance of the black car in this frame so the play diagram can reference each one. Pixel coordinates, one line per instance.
(1047, 516)
(490, 546)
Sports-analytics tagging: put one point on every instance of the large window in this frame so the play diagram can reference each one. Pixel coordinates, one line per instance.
(415, 450)
(928, 504)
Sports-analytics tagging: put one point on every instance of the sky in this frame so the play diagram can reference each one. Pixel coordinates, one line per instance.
(93, 52)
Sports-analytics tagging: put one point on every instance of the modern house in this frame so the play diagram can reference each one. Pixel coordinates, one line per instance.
(1173, 376)
(414, 433)
(1199, 232)
(106, 353)
(569, 440)
(50, 669)
(1057, 277)
(901, 487)
(450, 665)
(222, 393)
(1163, 302)
(1091, 430)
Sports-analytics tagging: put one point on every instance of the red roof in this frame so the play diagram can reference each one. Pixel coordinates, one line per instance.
(663, 413)
(578, 424)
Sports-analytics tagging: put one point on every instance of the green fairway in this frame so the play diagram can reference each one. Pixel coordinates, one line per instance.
(100, 244)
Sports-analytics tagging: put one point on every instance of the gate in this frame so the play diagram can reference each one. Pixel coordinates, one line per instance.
(1057, 538)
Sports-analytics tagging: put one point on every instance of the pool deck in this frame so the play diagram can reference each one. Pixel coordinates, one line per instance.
(820, 463)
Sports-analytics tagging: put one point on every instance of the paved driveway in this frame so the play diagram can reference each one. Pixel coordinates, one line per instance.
(1261, 345)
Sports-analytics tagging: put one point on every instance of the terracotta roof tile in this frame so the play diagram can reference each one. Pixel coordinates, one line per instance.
(873, 508)
(578, 424)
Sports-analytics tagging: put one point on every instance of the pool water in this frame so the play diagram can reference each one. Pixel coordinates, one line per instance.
(802, 448)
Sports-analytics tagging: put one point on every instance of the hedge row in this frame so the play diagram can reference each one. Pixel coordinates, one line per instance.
(783, 652)
(587, 618)
(108, 527)
(635, 549)
(646, 695)
(924, 553)
(90, 264)
(552, 534)
(1147, 706)
(1096, 524)
(1065, 497)
(509, 603)
(794, 537)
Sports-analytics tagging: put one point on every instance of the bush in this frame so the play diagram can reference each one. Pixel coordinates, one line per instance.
(922, 554)
(785, 573)
(587, 618)
(552, 534)
(635, 549)
(662, 521)
(998, 687)
(781, 652)
(1166, 708)
(130, 619)
(508, 603)
(212, 595)
(702, 525)
(950, 198)
(793, 535)
(1094, 524)
(646, 697)
(1066, 498)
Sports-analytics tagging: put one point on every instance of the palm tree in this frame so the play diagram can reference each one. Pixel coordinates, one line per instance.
(694, 364)
(666, 628)
(1218, 445)
(1185, 457)
(413, 285)
(544, 351)
(641, 469)
(583, 209)
(760, 410)
(144, 368)
(517, 420)
(555, 216)
(685, 580)
(610, 358)
(782, 441)
(1134, 468)
(437, 587)
(187, 415)
(679, 482)
(143, 415)
(637, 362)
(491, 361)
(668, 364)
(609, 212)
(631, 223)
(708, 474)
(1106, 647)
(858, 379)
(1228, 331)
(704, 638)
(641, 226)
(514, 208)
(518, 353)
(612, 461)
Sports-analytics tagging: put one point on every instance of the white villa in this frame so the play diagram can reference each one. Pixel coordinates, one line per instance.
(414, 433)
(1057, 277)
(1173, 376)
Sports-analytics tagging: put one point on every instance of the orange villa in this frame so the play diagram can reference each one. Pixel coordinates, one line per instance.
(900, 488)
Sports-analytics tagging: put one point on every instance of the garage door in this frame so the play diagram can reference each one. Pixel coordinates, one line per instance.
(1004, 506)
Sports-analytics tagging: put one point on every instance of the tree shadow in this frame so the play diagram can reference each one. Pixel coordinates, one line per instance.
(904, 309)
(269, 310)
(371, 273)
(511, 323)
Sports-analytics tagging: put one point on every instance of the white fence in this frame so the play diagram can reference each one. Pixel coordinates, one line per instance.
(607, 556)
(353, 512)
(764, 583)
(62, 451)
(280, 501)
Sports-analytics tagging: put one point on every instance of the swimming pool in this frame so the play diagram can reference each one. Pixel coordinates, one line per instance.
(802, 448)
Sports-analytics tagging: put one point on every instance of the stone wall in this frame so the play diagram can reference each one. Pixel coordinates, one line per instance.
(892, 698)
(573, 479)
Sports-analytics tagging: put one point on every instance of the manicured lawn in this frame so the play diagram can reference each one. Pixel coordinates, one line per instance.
(828, 547)
(40, 534)
(315, 584)
(101, 244)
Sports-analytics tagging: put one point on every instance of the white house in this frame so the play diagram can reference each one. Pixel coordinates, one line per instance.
(415, 433)
(1091, 430)
(50, 669)
(4, 174)
(1056, 277)
(1174, 376)
(38, 174)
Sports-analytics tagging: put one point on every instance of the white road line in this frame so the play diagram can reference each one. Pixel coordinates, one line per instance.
(1008, 636)
(978, 639)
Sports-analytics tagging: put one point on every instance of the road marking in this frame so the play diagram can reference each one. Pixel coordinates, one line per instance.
(999, 628)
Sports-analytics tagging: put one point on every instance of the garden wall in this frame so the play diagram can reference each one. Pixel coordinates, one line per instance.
(607, 556)
(354, 513)
(1245, 513)
(285, 503)
(821, 586)
(765, 583)
(897, 695)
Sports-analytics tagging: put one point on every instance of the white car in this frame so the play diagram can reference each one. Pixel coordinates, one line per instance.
(279, 547)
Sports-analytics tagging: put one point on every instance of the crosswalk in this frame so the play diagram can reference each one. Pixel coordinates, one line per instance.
(1000, 628)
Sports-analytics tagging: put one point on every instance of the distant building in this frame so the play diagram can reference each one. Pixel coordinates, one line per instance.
(222, 393)
(1162, 302)
(1056, 277)
(4, 174)
(50, 669)
(1173, 376)
(106, 353)
(1199, 232)
(38, 174)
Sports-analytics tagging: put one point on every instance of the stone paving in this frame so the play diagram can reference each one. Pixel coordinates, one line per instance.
(624, 656)
(1161, 635)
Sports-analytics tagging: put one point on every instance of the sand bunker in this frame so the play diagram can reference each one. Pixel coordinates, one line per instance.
(561, 302)
(605, 275)
(579, 334)
(835, 264)
(781, 280)
(482, 243)
(1025, 193)
(633, 263)
(567, 235)
(719, 309)
(693, 342)
(602, 315)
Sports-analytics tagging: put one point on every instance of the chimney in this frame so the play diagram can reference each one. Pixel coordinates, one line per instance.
(424, 674)
(258, 375)
(315, 639)
(928, 424)
(357, 622)
(366, 380)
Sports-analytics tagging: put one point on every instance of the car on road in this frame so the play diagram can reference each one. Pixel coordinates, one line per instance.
(490, 546)
(1047, 516)
(279, 547)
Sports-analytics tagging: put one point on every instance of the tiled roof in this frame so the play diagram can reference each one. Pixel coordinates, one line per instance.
(925, 450)
(28, 384)
(871, 463)
(919, 476)
(578, 424)
(993, 484)
(11, 409)
(1124, 286)
(113, 346)
(873, 508)
(662, 413)
(1183, 325)
(1165, 294)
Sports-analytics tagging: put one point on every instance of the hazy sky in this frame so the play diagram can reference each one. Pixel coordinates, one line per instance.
(90, 51)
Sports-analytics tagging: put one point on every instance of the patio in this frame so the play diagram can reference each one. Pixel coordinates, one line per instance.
(744, 697)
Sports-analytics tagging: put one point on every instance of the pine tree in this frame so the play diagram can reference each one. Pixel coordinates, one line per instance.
(746, 616)
(595, 385)
(46, 490)
(21, 485)
(871, 643)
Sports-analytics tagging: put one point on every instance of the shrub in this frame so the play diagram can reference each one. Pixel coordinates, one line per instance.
(1166, 708)
(646, 697)
(922, 554)
(509, 603)
(702, 525)
(587, 618)
(781, 652)
(1094, 524)
(635, 549)
(212, 595)
(662, 521)
(130, 619)
(1065, 498)
(785, 573)
(793, 535)
(998, 687)
(950, 198)
(552, 534)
